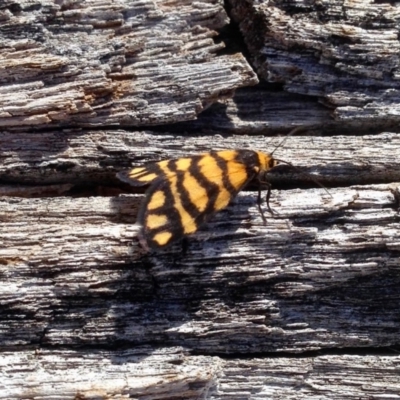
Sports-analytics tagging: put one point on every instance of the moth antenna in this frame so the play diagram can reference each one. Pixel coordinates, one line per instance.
(305, 174)
(292, 132)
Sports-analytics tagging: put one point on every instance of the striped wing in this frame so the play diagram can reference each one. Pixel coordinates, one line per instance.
(185, 193)
(141, 176)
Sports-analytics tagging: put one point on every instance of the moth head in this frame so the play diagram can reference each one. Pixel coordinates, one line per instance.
(266, 161)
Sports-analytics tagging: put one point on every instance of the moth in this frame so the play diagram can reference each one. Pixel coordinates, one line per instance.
(184, 193)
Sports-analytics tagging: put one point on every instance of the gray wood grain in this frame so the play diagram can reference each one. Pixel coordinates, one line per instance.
(312, 278)
(174, 373)
(303, 307)
(346, 53)
(94, 157)
(125, 63)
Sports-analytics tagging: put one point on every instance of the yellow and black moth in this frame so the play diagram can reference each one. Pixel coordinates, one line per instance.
(186, 192)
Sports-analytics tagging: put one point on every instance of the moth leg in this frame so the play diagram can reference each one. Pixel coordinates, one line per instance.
(259, 205)
(266, 185)
(268, 197)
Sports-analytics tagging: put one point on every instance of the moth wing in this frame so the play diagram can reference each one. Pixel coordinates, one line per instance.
(141, 176)
(162, 216)
(182, 201)
(228, 176)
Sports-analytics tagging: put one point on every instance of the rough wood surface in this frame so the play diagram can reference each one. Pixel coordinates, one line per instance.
(345, 52)
(325, 377)
(102, 63)
(140, 373)
(84, 315)
(261, 109)
(313, 277)
(94, 157)
(173, 373)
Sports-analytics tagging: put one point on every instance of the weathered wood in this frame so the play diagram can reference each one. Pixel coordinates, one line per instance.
(97, 63)
(83, 314)
(144, 373)
(312, 278)
(346, 52)
(172, 373)
(261, 110)
(94, 157)
(325, 377)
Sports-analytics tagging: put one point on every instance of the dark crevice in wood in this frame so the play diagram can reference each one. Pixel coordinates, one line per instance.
(355, 351)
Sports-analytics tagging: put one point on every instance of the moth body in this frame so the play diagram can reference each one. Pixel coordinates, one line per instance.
(184, 193)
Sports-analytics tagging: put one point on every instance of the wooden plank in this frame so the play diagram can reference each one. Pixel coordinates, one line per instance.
(84, 314)
(94, 157)
(322, 377)
(346, 53)
(314, 277)
(113, 63)
(173, 373)
(100, 374)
